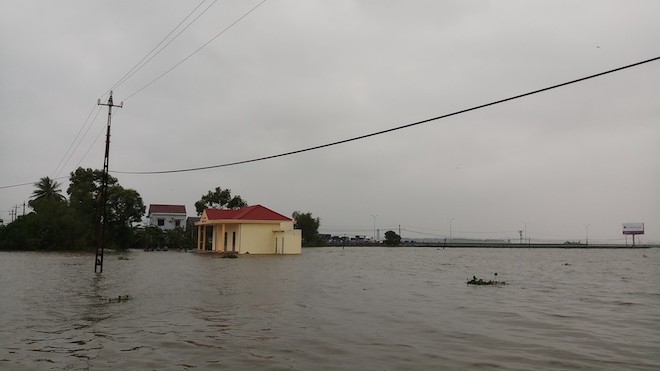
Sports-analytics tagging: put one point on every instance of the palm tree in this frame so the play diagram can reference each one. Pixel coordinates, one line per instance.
(47, 189)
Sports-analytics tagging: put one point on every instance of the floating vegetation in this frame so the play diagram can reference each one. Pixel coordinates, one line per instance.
(479, 281)
(118, 299)
(229, 255)
(123, 258)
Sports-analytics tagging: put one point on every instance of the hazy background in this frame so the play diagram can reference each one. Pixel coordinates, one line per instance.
(296, 74)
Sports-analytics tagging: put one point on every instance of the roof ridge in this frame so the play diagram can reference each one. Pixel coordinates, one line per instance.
(246, 213)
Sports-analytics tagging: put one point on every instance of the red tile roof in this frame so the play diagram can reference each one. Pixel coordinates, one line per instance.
(256, 212)
(166, 209)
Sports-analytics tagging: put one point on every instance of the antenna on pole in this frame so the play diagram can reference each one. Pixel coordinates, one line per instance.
(100, 244)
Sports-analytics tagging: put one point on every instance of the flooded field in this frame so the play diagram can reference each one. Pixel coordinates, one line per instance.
(333, 308)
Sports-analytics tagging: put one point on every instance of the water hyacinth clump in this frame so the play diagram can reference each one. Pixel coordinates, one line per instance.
(482, 282)
(118, 299)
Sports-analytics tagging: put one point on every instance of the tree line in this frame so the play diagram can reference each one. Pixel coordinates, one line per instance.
(60, 223)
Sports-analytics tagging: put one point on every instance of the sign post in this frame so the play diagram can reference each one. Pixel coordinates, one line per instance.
(633, 229)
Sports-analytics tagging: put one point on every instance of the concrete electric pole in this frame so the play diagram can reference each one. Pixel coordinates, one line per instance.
(98, 261)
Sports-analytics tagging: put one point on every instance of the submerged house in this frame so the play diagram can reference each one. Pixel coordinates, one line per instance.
(167, 217)
(249, 230)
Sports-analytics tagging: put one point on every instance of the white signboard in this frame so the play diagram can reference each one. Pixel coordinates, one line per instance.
(633, 228)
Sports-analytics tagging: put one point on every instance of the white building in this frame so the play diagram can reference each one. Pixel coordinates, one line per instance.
(167, 217)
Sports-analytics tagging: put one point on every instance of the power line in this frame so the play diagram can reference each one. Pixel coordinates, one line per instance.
(79, 142)
(93, 143)
(131, 72)
(372, 134)
(148, 57)
(62, 163)
(196, 51)
(29, 183)
(69, 152)
(388, 130)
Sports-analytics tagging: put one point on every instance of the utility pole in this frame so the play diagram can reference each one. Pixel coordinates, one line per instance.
(100, 244)
(450, 220)
(587, 226)
(374, 216)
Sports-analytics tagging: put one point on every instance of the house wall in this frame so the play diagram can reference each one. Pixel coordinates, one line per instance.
(261, 238)
(258, 238)
(288, 242)
(169, 220)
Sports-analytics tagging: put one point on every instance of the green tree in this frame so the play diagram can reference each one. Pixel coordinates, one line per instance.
(125, 207)
(392, 239)
(125, 210)
(219, 199)
(310, 228)
(149, 237)
(85, 194)
(47, 189)
(176, 238)
(52, 225)
(55, 226)
(18, 235)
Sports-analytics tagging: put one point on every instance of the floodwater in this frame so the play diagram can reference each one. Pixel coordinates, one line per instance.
(333, 308)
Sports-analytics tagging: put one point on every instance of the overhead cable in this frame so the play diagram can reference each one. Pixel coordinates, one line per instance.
(63, 163)
(196, 51)
(389, 130)
(151, 55)
(371, 134)
(71, 150)
(103, 128)
(80, 141)
(30, 183)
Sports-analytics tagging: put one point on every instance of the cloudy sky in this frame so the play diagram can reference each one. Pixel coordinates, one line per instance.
(296, 74)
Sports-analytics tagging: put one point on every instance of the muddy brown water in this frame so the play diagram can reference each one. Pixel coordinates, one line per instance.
(333, 308)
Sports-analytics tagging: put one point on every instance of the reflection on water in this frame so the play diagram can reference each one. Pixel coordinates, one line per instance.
(330, 308)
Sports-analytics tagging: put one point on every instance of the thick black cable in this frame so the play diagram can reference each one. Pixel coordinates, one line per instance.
(389, 130)
(372, 134)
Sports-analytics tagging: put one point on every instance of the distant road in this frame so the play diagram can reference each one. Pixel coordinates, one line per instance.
(533, 245)
(508, 245)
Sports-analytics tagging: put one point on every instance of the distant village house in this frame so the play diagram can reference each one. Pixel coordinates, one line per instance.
(167, 217)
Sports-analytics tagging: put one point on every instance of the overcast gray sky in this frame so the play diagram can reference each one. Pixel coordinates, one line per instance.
(296, 74)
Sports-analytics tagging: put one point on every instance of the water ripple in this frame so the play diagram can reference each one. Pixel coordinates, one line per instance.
(358, 308)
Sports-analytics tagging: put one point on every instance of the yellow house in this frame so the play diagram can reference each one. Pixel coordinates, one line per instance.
(250, 230)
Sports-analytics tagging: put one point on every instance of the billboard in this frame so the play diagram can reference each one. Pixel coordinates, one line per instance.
(633, 228)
